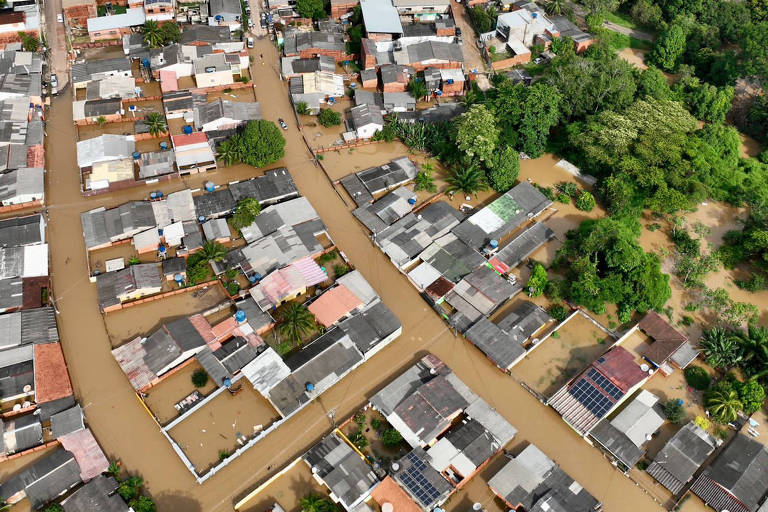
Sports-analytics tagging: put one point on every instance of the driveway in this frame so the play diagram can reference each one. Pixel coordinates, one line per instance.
(637, 34)
(56, 39)
(472, 58)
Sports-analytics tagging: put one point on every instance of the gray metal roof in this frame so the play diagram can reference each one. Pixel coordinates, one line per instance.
(67, 421)
(275, 185)
(98, 494)
(681, 457)
(297, 41)
(216, 228)
(17, 231)
(356, 189)
(386, 176)
(212, 366)
(434, 51)
(11, 294)
(35, 133)
(22, 182)
(206, 34)
(235, 354)
(523, 245)
(46, 479)
(501, 347)
(84, 71)
(224, 7)
(380, 16)
(368, 328)
(104, 148)
(156, 163)
(453, 258)
(342, 470)
(20, 433)
(112, 285)
(213, 204)
(238, 111)
(363, 115)
(174, 265)
(39, 326)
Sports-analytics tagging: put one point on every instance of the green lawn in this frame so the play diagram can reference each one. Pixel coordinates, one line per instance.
(619, 41)
(621, 18)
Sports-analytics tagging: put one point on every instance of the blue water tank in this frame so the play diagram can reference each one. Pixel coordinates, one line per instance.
(159, 194)
(251, 279)
(439, 92)
(132, 108)
(209, 186)
(219, 17)
(309, 387)
(188, 129)
(240, 316)
(411, 201)
(153, 195)
(162, 249)
(145, 62)
(163, 145)
(534, 15)
(160, 231)
(257, 276)
(494, 243)
(201, 218)
(178, 278)
(136, 155)
(227, 382)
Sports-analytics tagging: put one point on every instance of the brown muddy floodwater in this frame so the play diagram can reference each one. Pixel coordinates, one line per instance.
(126, 431)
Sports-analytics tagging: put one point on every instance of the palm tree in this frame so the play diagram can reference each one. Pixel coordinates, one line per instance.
(296, 321)
(229, 153)
(721, 348)
(755, 351)
(213, 251)
(315, 503)
(724, 404)
(469, 179)
(555, 7)
(424, 179)
(418, 88)
(155, 123)
(153, 36)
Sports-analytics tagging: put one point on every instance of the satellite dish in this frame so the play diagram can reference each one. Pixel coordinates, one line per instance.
(644, 367)
(387, 507)
(477, 506)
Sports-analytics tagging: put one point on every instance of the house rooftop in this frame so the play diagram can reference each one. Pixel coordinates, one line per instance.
(675, 464)
(666, 339)
(521, 247)
(224, 109)
(98, 494)
(85, 71)
(114, 285)
(205, 34)
(380, 16)
(19, 231)
(45, 479)
(104, 148)
(132, 18)
(275, 185)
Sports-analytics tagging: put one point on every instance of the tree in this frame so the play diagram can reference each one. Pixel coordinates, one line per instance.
(153, 36)
(29, 42)
(198, 273)
(710, 103)
(229, 152)
(721, 348)
(470, 180)
(316, 503)
(692, 268)
(155, 123)
(585, 201)
(646, 12)
(556, 7)
(424, 179)
(391, 437)
(114, 469)
(199, 378)
(751, 395)
(248, 208)
(296, 322)
(481, 19)
(477, 134)
(260, 144)
(758, 9)
(503, 168)
(418, 88)
(755, 352)
(723, 403)
(329, 117)
(653, 84)
(130, 487)
(143, 504)
(600, 6)
(213, 251)
(728, 311)
(668, 51)
(171, 33)
(697, 377)
(302, 108)
(538, 281)
(674, 411)
(314, 9)
(54, 507)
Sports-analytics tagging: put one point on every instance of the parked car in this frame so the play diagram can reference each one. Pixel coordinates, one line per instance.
(458, 31)
(250, 23)
(263, 22)
(282, 123)
(60, 18)
(250, 42)
(54, 80)
(248, 10)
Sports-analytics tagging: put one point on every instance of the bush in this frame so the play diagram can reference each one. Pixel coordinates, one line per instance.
(329, 117)
(538, 281)
(359, 440)
(391, 437)
(585, 201)
(674, 411)
(568, 188)
(702, 422)
(199, 378)
(563, 198)
(375, 423)
(558, 312)
(54, 507)
(697, 377)
(302, 108)
(341, 269)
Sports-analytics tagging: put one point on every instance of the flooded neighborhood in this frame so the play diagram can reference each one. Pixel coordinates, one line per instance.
(383, 256)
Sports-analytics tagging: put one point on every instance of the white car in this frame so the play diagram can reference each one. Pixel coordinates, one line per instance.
(60, 18)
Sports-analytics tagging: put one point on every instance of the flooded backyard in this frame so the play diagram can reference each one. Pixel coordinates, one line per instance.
(162, 397)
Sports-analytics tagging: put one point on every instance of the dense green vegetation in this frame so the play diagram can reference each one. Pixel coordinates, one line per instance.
(259, 144)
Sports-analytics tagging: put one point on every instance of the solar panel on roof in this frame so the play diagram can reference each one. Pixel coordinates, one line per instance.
(591, 398)
(604, 383)
(416, 483)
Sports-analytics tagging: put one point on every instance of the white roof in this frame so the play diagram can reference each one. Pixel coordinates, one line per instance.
(424, 275)
(639, 419)
(381, 16)
(35, 260)
(173, 233)
(266, 371)
(146, 238)
(115, 264)
(131, 18)
(356, 283)
(517, 46)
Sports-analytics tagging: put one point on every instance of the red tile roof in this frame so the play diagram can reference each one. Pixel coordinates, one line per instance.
(333, 305)
(36, 156)
(168, 81)
(439, 288)
(51, 377)
(620, 367)
(87, 452)
(186, 140)
(666, 339)
(389, 492)
(202, 327)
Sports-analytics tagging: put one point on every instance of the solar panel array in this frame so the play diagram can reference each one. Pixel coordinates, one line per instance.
(417, 485)
(591, 398)
(604, 383)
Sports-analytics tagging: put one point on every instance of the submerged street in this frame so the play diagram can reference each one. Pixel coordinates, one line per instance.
(125, 430)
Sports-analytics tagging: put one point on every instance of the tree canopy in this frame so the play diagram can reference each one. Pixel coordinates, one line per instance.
(314, 9)
(477, 135)
(260, 144)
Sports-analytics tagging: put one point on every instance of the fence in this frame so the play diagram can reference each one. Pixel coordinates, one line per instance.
(158, 296)
(348, 145)
(21, 206)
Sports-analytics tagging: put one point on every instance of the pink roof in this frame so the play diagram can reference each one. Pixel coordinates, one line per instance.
(186, 140)
(333, 305)
(36, 156)
(51, 376)
(203, 328)
(311, 271)
(225, 328)
(87, 453)
(168, 81)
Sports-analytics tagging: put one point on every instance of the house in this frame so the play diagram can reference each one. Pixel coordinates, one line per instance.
(394, 78)
(98, 494)
(399, 102)
(43, 481)
(119, 86)
(452, 82)
(274, 186)
(179, 103)
(23, 86)
(104, 148)
(145, 359)
(736, 481)
(369, 78)
(453, 432)
(306, 45)
(225, 13)
(225, 115)
(666, 341)
(174, 61)
(20, 433)
(67, 421)
(217, 37)
(497, 220)
(92, 111)
(102, 227)
(22, 20)
(566, 28)
(521, 29)
(365, 121)
(435, 54)
(216, 230)
(625, 435)
(521, 247)
(85, 72)
(28, 327)
(156, 163)
(342, 470)
(682, 456)
(52, 382)
(130, 283)
(295, 66)
(385, 177)
(598, 390)
(532, 481)
(504, 340)
(316, 88)
(77, 12)
(334, 304)
(116, 26)
(390, 208)
(422, 9)
(133, 45)
(287, 283)
(388, 492)
(21, 186)
(381, 20)
(213, 70)
(159, 10)
(478, 294)
(193, 153)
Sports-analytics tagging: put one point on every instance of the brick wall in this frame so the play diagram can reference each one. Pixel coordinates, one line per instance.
(418, 66)
(116, 33)
(339, 56)
(78, 14)
(513, 61)
(339, 10)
